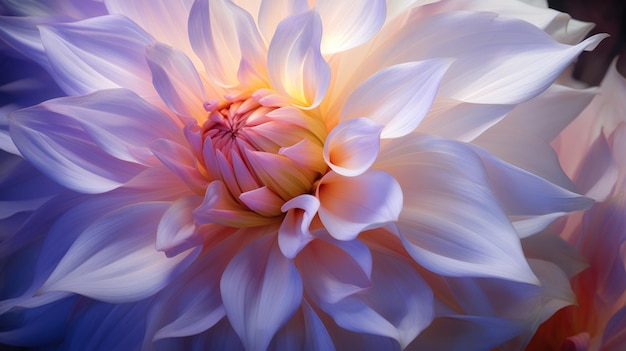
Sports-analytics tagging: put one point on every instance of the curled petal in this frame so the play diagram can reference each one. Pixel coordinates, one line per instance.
(226, 39)
(252, 284)
(349, 23)
(397, 97)
(114, 260)
(349, 205)
(295, 65)
(352, 146)
(294, 233)
(175, 233)
(220, 207)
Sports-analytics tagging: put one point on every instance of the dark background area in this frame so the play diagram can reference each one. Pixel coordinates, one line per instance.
(609, 17)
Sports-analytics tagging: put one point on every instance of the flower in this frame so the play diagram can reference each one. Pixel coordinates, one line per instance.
(597, 322)
(283, 175)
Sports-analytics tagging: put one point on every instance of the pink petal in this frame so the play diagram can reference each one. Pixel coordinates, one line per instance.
(295, 65)
(220, 207)
(350, 205)
(176, 80)
(397, 97)
(181, 162)
(252, 284)
(349, 23)
(226, 39)
(294, 234)
(114, 260)
(98, 53)
(352, 146)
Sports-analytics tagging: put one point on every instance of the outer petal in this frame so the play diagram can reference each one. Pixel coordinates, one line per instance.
(350, 205)
(176, 80)
(305, 331)
(496, 59)
(192, 303)
(252, 284)
(349, 23)
(295, 65)
(92, 143)
(397, 97)
(226, 39)
(352, 147)
(98, 53)
(114, 260)
(398, 305)
(452, 222)
(333, 270)
(101, 326)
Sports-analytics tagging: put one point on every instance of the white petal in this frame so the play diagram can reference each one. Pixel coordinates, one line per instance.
(272, 12)
(496, 60)
(175, 233)
(350, 205)
(397, 97)
(349, 23)
(177, 81)
(352, 146)
(332, 270)
(114, 260)
(294, 234)
(252, 284)
(398, 305)
(295, 65)
(226, 39)
(98, 53)
(164, 19)
(452, 222)
(461, 121)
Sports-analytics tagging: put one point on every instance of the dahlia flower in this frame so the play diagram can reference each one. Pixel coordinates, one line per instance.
(285, 174)
(598, 321)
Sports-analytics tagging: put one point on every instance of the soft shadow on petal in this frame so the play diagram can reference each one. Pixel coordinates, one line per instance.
(352, 146)
(294, 234)
(98, 53)
(226, 39)
(304, 331)
(349, 23)
(272, 12)
(397, 97)
(452, 222)
(114, 260)
(349, 205)
(260, 287)
(176, 80)
(176, 232)
(295, 65)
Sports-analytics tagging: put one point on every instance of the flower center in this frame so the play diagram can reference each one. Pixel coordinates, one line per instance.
(260, 156)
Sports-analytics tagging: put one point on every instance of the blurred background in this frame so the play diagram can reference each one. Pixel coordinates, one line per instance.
(609, 17)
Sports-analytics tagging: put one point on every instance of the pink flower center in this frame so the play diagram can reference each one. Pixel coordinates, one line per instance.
(262, 155)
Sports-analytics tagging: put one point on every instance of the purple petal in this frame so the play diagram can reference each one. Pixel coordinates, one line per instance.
(252, 284)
